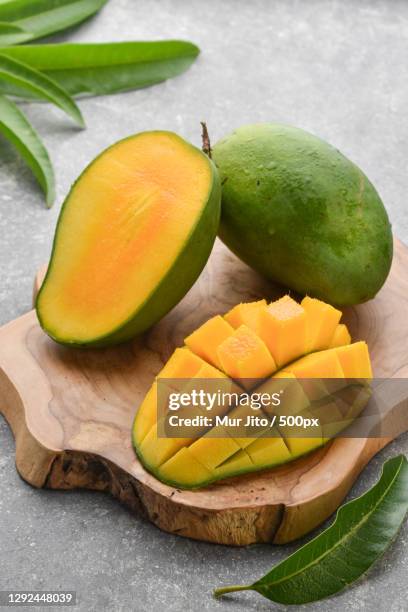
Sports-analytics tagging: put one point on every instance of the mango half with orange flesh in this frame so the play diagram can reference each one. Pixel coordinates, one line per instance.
(133, 235)
(253, 349)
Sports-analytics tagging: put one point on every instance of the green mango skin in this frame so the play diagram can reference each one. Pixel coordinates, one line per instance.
(303, 215)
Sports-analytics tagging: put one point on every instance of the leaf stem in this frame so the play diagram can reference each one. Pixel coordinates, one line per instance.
(231, 589)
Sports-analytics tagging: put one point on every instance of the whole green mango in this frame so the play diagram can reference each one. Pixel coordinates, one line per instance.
(300, 213)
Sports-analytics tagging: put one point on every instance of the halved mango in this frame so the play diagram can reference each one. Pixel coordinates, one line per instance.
(307, 386)
(133, 235)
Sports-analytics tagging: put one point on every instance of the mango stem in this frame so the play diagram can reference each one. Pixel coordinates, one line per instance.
(205, 140)
(231, 589)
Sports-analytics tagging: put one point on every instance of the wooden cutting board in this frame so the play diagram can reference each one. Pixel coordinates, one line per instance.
(71, 413)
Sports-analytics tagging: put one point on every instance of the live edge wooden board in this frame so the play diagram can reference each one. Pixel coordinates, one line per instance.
(71, 413)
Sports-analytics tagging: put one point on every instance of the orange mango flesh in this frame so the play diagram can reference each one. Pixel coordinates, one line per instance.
(296, 399)
(183, 364)
(322, 320)
(245, 314)
(282, 326)
(211, 453)
(356, 399)
(317, 366)
(320, 365)
(187, 477)
(242, 353)
(354, 360)
(238, 463)
(207, 338)
(269, 451)
(341, 336)
(108, 261)
(157, 449)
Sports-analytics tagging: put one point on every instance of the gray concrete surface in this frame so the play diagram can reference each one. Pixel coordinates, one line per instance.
(338, 68)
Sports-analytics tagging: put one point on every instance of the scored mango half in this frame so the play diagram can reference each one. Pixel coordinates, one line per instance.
(299, 349)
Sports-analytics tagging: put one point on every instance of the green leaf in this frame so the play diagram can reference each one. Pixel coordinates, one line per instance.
(11, 34)
(16, 128)
(362, 531)
(44, 17)
(105, 68)
(39, 85)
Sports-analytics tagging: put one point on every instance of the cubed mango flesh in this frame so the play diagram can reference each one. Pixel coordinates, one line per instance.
(183, 470)
(341, 336)
(207, 338)
(244, 355)
(299, 353)
(282, 326)
(157, 448)
(322, 320)
(293, 398)
(355, 360)
(182, 364)
(245, 314)
(269, 451)
(237, 464)
(211, 452)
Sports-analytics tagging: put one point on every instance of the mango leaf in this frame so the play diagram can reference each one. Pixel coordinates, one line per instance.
(16, 128)
(11, 34)
(104, 68)
(39, 85)
(362, 531)
(44, 17)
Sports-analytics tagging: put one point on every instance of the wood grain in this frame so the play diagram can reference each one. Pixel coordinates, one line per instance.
(71, 412)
